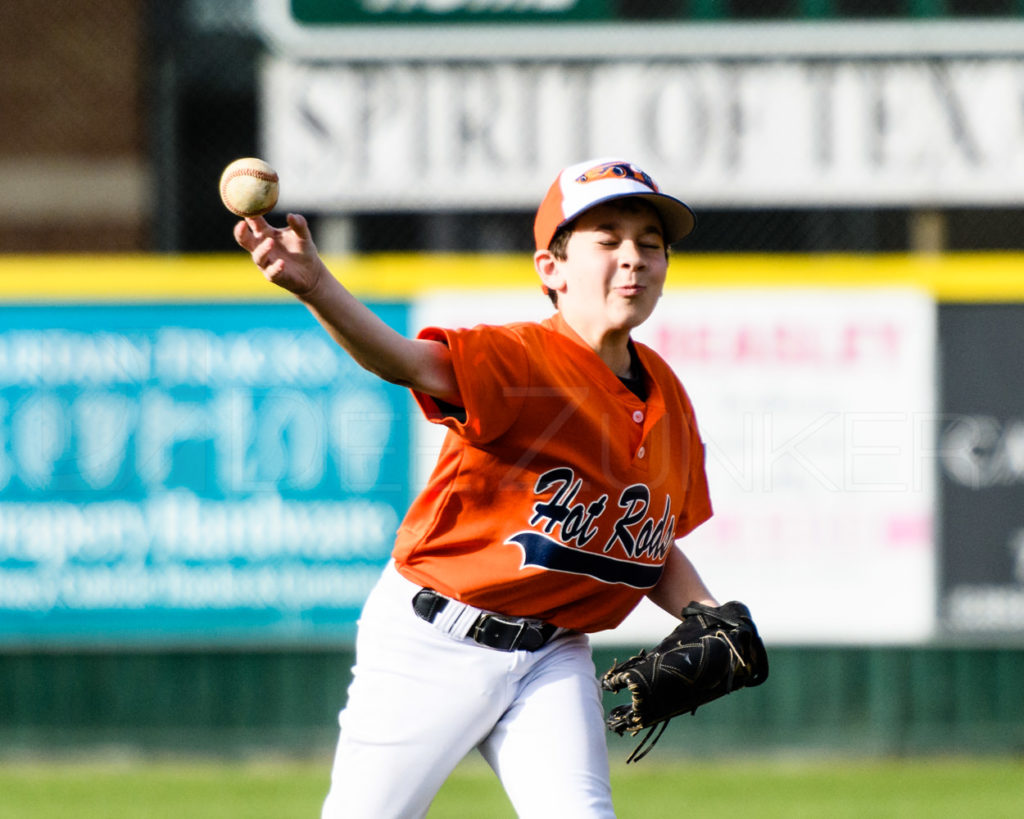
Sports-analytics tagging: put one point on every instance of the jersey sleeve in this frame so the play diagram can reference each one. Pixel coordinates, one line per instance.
(492, 371)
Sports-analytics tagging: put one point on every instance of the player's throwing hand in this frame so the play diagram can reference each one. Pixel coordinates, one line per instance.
(287, 256)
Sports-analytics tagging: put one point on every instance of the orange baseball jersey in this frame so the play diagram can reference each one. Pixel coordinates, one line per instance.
(557, 493)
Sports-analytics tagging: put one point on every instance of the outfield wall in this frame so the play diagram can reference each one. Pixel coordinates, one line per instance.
(863, 412)
(859, 700)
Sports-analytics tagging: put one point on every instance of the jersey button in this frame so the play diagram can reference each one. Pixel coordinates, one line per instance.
(638, 416)
(641, 452)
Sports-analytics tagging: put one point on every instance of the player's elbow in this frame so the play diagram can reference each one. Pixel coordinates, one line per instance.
(427, 376)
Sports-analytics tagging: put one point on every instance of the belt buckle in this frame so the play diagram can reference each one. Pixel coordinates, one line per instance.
(498, 639)
(525, 627)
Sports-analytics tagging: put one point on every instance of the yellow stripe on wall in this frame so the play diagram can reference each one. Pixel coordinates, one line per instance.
(990, 277)
(970, 277)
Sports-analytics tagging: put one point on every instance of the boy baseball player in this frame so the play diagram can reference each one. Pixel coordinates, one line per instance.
(571, 466)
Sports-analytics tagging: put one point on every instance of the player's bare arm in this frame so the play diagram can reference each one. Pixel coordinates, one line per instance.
(680, 585)
(289, 259)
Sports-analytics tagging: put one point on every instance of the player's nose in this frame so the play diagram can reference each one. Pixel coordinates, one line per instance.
(630, 256)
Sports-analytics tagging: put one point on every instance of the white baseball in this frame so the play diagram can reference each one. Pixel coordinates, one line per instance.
(248, 187)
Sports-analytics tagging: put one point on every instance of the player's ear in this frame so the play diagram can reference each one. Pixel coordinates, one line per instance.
(549, 270)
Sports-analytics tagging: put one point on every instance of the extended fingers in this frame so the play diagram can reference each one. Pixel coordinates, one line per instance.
(274, 250)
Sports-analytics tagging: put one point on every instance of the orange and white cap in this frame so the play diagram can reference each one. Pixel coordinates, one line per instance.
(586, 184)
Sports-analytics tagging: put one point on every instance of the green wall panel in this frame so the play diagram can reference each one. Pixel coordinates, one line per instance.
(857, 700)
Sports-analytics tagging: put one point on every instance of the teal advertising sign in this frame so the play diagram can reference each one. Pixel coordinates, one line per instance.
(194, 473)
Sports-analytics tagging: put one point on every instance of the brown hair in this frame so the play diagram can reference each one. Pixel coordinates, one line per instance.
(559, 248)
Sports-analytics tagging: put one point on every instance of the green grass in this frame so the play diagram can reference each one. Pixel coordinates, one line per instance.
(835, 788)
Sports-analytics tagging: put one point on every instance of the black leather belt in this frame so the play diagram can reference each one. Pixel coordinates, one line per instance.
(491, 630)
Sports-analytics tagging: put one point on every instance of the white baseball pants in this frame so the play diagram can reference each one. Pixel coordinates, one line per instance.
(420, 700)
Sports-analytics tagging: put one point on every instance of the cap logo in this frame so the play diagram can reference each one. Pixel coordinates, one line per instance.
(616, 170)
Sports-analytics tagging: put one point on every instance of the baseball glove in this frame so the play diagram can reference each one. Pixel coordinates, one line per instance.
(713, 651)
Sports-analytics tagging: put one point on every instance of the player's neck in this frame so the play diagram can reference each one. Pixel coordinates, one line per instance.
(618, 359)
(611, 345)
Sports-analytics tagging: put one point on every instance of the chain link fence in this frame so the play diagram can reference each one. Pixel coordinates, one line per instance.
(119, 116)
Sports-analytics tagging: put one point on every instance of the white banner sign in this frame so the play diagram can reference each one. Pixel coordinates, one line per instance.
(817, 408)
(392, 136)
